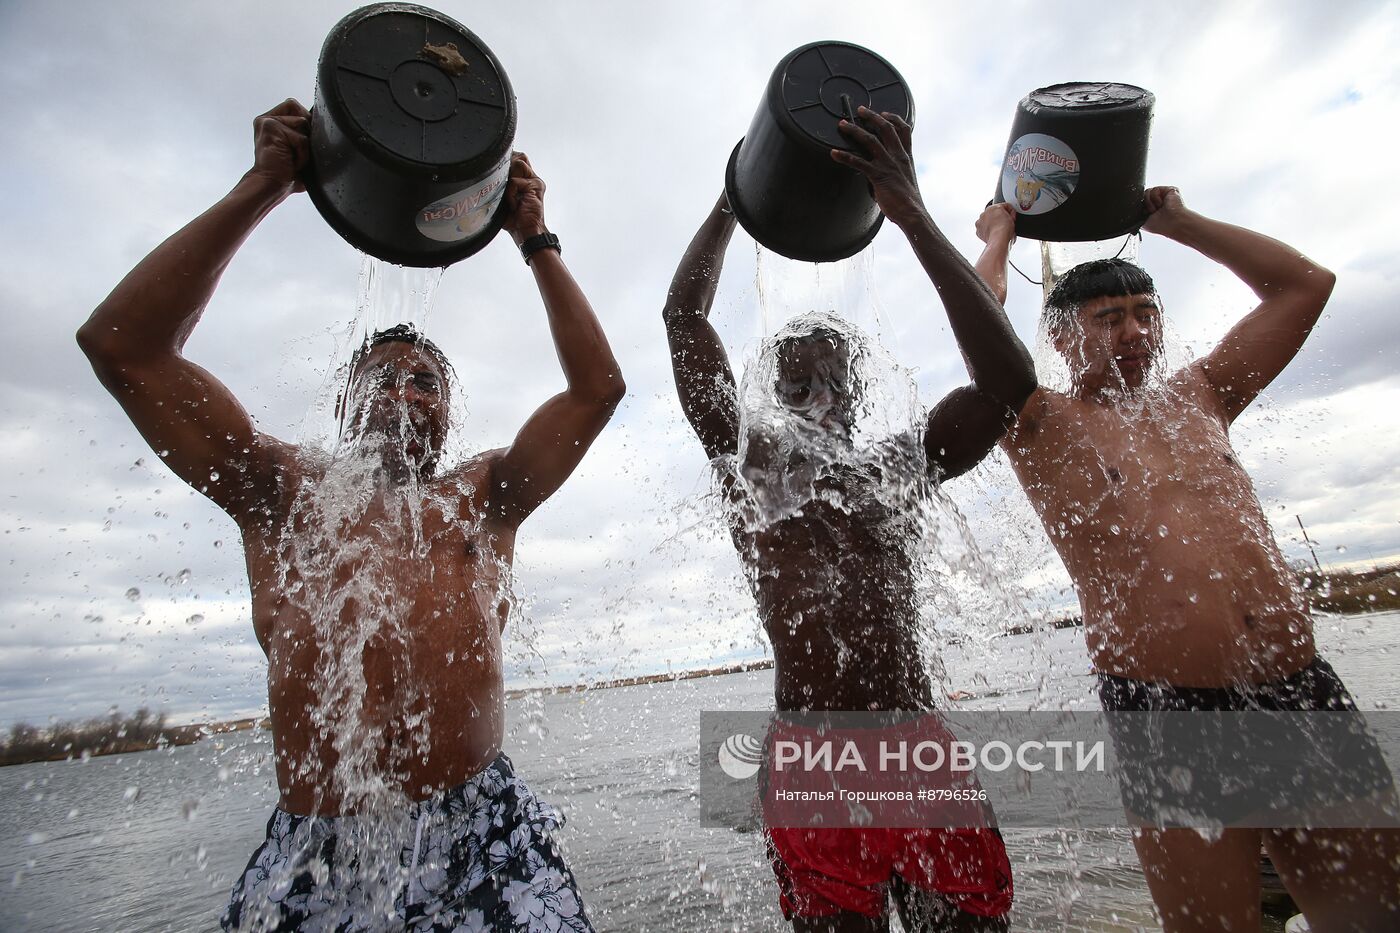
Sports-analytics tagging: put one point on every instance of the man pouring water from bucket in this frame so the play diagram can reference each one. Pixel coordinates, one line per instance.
(379, 574)
(1188, 603)
(830, 541)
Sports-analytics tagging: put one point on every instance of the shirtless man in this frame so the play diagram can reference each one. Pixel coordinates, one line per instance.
(1187, 601)
(835, 581)
(405, 720)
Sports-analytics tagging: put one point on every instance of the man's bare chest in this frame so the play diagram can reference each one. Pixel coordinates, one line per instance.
(1108, 472)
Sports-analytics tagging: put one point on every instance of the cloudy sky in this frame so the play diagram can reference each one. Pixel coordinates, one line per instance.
(123, 121)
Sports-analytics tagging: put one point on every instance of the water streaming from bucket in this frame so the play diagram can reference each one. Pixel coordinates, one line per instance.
(353, 561)
(792, 455)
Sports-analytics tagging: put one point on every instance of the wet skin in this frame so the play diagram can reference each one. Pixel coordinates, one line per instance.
(836, 593)
(835, 583)
(1179, 577)
(1178, 573)
(407, 587)
(1211, 601)
(437, 613)
(835, 587)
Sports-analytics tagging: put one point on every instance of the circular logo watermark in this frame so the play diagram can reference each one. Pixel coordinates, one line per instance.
(740, 756)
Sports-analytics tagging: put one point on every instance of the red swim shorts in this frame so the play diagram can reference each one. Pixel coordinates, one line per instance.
(826, 871)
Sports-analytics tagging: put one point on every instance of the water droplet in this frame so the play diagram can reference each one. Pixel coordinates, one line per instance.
(133, 594)
(133, 794)
(213, 476)
(1161, 531)
(195, 619)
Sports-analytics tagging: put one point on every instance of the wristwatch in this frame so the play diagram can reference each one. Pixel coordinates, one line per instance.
(539, 241)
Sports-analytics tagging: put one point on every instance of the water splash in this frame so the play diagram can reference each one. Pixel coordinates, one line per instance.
(369, 619)
(831, 437)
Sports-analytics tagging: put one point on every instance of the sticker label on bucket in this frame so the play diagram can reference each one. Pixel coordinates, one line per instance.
(466, 212)
(1040, 173)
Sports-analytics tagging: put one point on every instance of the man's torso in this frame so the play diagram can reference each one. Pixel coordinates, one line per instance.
(1179, 577)
(381, 615)
(835, 585)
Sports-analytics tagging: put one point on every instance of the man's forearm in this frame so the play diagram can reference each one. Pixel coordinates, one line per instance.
(996, 359)
(1266, 265)
(158, 303)
(584, 353)
(693, 286)
(991, 267)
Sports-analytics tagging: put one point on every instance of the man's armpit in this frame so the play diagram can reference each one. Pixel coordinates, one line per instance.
(1026, 428)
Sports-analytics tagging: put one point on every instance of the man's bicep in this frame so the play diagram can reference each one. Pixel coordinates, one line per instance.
(198, 428)
(962, 429)
(1259, 347)
(547, 449)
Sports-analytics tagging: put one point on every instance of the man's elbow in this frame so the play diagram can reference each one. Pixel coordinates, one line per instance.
(611, 393)
(1322, 280)
(675, 316)
(1021, 383)
(92, 341)
(616, 392)
(102, 345)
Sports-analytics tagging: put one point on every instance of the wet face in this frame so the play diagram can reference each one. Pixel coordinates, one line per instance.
(399, 391)
(1117, 340)
(813, 381)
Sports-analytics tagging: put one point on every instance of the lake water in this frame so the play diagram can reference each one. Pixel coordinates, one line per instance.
(153, 841)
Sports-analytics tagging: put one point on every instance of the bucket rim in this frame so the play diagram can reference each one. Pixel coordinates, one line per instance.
(365, 243)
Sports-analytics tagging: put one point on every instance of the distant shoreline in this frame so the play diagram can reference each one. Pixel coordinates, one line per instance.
(1360, 592)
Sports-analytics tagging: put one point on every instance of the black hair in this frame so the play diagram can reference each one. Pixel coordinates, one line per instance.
(818, 332)
(1097, 279)
(399, 333)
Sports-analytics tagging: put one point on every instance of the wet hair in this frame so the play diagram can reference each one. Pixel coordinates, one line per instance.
(819, 332)
(811, 328)
(1097, 279)
(399, 333)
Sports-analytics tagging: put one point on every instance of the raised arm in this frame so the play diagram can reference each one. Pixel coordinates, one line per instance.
(966, 424)
(704, 379)
(996, 228)
(135, 338)
(1291, 288)
(554, 439)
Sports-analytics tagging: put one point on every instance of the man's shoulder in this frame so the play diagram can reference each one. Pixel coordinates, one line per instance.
(473, 469)
(1193, 382)
(271, 473)
(1043, 407)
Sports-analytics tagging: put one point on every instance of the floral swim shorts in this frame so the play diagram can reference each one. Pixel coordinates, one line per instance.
(480, 856)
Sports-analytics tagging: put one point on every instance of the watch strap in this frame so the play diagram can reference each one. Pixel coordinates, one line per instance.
(539, 241)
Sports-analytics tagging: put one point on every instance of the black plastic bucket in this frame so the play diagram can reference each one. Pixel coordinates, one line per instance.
(783, 185)
(411, 135)
(1076, 164)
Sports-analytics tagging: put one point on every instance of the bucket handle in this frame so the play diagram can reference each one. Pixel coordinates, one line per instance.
(1135, 233)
